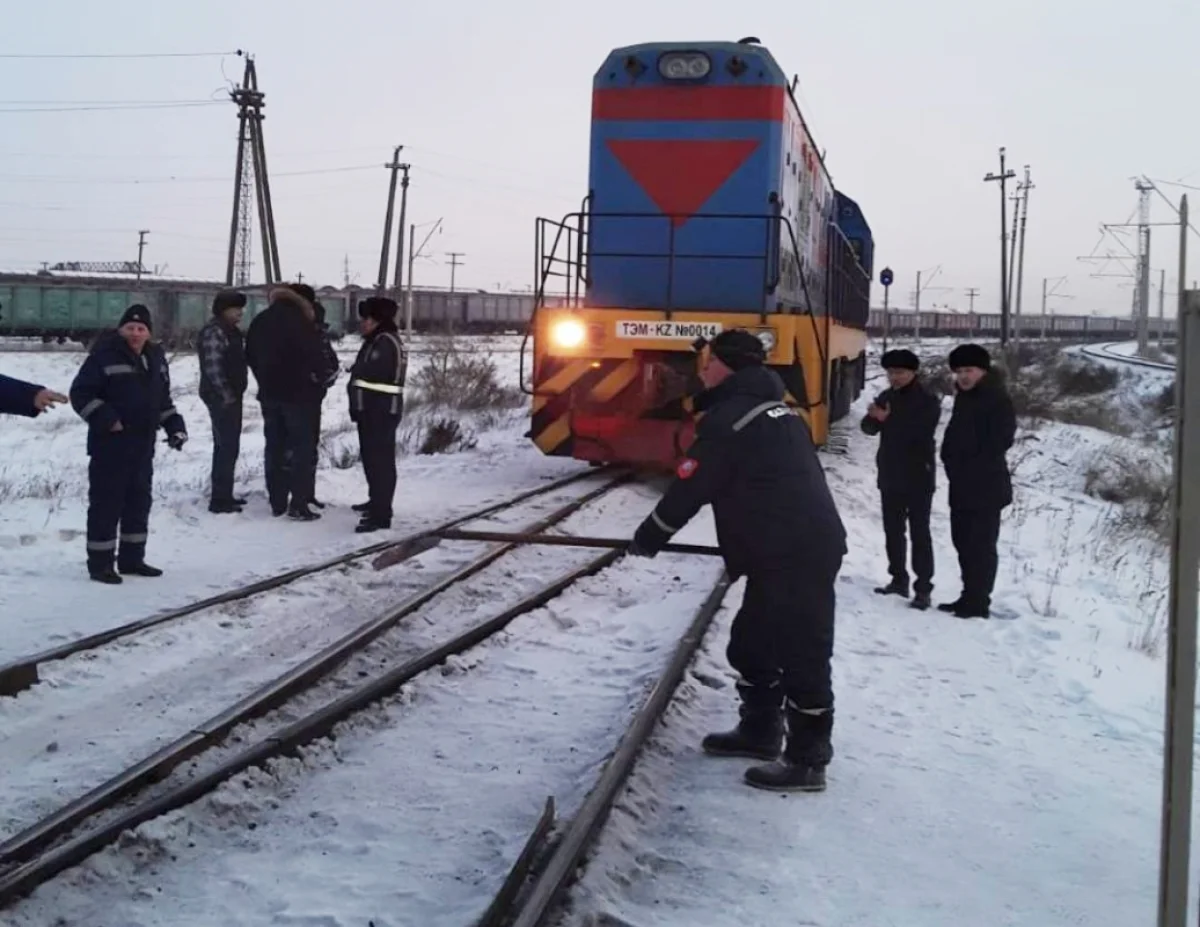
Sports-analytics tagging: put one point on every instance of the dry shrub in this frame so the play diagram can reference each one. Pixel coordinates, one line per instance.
(1084, 379)
(1164, 402)
(1140, 484)
(457, 379)
(446, 436)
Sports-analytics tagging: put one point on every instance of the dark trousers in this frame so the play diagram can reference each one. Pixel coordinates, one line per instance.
(975, 533)
(227, 443)
(120, 477)
(377, 448)
(291, 452)
(909, 509)
(781, 642)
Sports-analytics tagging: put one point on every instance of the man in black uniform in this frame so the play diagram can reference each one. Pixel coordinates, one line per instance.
(905, 416)
(981, 429)
(326, 377)
(283, 349)
(123, 392)
(376, 406)
(223, 379)
(754, 461)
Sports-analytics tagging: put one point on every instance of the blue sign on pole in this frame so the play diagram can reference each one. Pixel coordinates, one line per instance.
(885, 277)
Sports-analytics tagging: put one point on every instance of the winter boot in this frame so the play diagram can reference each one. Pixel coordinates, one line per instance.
(105, 575)
(951, 607)
(808, 752)
(362, 507)
(302, 512)
(140, 569)
(895, 587)
(921, 601)
(370, 523)
(759, 733)
(970, 610)
(314, 501)
(224, 508)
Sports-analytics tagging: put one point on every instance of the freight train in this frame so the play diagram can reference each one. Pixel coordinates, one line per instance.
(709, 207)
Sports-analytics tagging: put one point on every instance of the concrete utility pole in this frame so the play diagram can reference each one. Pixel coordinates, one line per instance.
(398, 280)
(1183, 604)
(1024, 187)
(1143, 266)
(141, 249)
(1162, 295)
(454, 263)
(394, 167)
(1003, 177)
(972, 292)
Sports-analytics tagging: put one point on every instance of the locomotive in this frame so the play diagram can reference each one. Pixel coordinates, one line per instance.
(709, 208)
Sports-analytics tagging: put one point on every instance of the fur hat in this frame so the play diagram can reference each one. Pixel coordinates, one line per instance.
(970, 355)
(228, 299)
(136, 313)
(900, 359)
(303, 290)
(379, 308)
(738, 348)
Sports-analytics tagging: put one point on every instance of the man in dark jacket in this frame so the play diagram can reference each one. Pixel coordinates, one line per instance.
(981, 429)
(754, 461)
(223, 379)
(283, 349)
(20, 398)
(123, 392)
(905, 416)
(376, 406)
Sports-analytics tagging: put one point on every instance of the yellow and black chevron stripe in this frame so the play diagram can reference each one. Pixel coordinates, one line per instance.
(569, 383)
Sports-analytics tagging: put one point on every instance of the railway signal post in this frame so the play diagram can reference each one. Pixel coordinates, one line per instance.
(885, 277)
(1184, 603)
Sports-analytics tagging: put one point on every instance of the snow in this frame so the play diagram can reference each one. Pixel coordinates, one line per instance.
(1000, 773)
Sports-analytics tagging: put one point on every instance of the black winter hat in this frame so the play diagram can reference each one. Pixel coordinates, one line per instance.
(136, 313)
(228, 299)
(901, 359)
(303, 289)
(970, 355)
(379, 308)
(738, 348)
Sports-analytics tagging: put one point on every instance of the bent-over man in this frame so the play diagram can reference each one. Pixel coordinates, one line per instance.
(754, 461)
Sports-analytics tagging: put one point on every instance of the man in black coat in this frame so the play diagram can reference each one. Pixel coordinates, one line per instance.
(284, 350)
(123, 392)
(223, 380)
(905, 416)
(981, 429)
(754, 461)
(376, 405)
(29, 399)
(328, 375)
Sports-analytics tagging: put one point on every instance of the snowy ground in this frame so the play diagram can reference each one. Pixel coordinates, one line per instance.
(998, 773)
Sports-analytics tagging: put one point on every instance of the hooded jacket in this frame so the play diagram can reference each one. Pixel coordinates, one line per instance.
(754, 461)
(285, 351)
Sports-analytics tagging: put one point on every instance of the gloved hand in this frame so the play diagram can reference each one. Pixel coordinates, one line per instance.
(176, 441)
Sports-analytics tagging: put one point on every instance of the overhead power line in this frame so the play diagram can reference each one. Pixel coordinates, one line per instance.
(62, 178)
(108, 108)
(224, 54)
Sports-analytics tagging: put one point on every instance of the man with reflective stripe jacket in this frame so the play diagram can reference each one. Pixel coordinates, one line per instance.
(123, 392)
(376, 405)
(754, 461)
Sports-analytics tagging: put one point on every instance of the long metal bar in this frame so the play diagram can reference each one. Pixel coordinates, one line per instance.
(503, 537)
(1183, 603)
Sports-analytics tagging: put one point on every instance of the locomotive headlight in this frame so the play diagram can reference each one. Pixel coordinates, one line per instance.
(767, 337)
(568, 333)
(684, 65)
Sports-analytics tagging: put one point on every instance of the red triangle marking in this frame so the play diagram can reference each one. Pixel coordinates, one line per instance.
(681, 176)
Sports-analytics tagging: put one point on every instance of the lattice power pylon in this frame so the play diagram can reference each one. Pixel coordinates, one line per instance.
(251, 175)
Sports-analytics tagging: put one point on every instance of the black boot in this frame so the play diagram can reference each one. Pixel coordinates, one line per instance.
(971, 610)
(105, 575)
(302, 513)
(951, 607)
(759, 733)
(361, 507)
(808, 752)
(224, 508)
(895, 587)
(313, 501)
(139, 569)
(371, 523)
(920, 601)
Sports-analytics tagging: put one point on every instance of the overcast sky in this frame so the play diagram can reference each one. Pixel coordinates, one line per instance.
(910, 100)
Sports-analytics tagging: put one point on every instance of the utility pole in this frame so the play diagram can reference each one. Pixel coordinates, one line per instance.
(413, 253)
(1162, 295)
(398, 280)
(972, 292)
(454, 263)
(250, 101)
(1143, 266)
(141, 248)
(346, 271)
(1015, 199)
(394, 167)
(917, 300)
(1025, 186)
(1003, 177)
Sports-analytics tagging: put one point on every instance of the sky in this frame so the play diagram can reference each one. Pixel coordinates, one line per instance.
(910, 101)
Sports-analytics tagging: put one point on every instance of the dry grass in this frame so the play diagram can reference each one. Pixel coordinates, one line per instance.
(463, 380)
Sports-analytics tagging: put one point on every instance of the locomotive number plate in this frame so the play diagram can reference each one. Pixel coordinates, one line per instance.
(681, 331)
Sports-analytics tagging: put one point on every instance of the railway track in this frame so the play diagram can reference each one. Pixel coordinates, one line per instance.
(333, 687)
(1106, 352)
(23, 672)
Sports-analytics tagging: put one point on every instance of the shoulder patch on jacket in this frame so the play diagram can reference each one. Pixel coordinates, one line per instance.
(687, 468)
